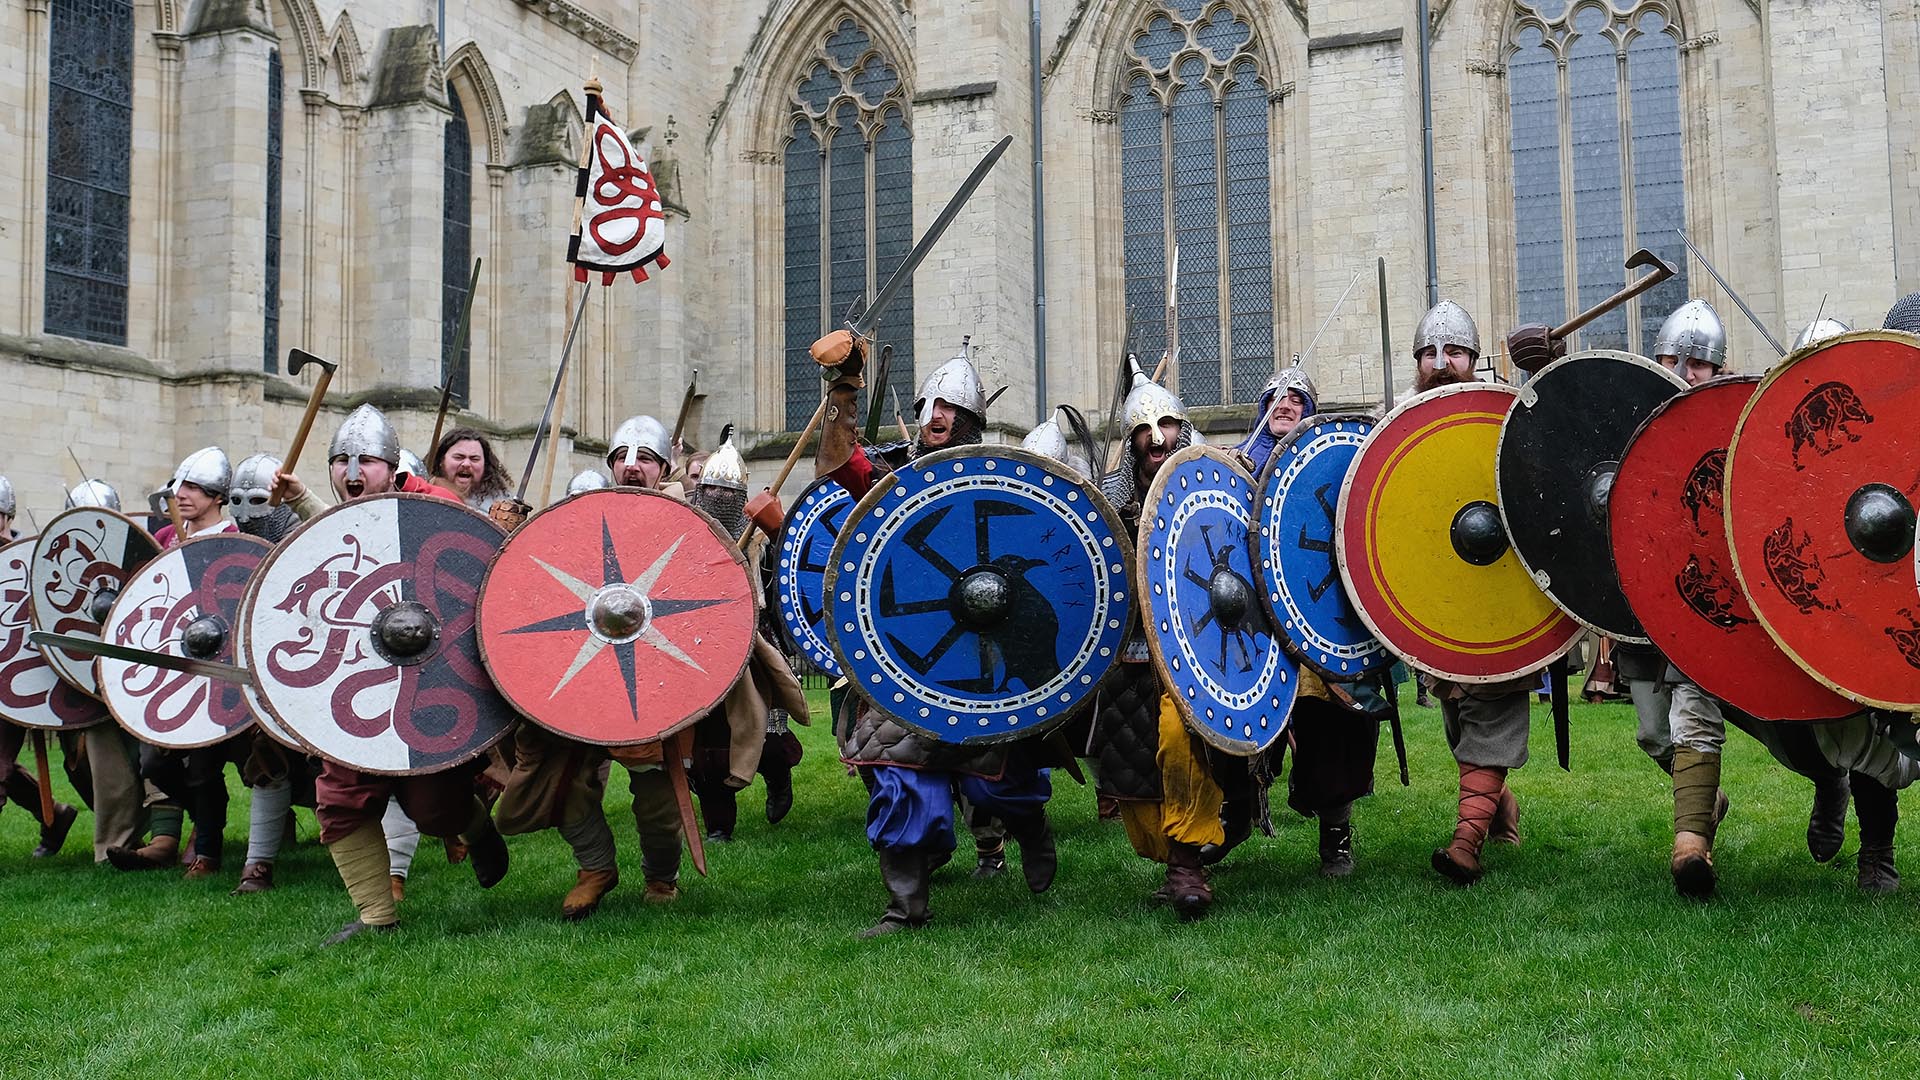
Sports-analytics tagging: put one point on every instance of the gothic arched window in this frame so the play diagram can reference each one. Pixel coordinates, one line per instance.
(456, 244)
(89, 159)
(1598, 167)
(270, 359)
(849, 206)
(1194, 156)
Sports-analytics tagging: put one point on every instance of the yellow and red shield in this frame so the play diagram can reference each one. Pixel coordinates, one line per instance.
(1423, 550)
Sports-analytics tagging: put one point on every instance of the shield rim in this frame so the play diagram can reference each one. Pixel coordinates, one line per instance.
(106, 716)
(1717, 688)
(1726, 498)
(253, 595)
(1059, 470)
(1244, 748)
(256, 701)
(33, 608)
(1261, 497)
(779, 587)
(100, 661)
(1527, 395)
(1346, 576)
(720, 535)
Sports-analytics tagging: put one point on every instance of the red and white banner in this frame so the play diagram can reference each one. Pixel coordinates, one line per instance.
(621, 226)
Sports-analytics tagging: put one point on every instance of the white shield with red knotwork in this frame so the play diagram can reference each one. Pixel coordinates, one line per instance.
(80, 563)
(262, 718)
(183, 603)
(359, 633)
(30, 693)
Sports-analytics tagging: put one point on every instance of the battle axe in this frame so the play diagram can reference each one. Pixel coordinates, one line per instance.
(297, 359)
(1535, 345)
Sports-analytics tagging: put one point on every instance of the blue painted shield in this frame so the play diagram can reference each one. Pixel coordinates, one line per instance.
(1210, 636)
(800, 588)
(980, 594)
(1299, 579)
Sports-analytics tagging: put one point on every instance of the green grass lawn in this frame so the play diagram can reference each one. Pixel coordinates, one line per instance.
(1571, 958)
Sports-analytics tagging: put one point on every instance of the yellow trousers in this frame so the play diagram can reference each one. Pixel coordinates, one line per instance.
(1189, 806)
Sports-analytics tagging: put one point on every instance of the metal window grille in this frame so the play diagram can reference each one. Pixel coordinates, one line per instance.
(89, 155)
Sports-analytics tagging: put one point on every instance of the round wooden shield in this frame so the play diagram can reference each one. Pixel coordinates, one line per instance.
(806, 548)
(1299, 580)
(1211, 638)
(1423, 549)
(980, 594)
(1559, 450)
(31, 695)
(360, 635)
(1821, 482)
(1669, 535)
(262, 718)
(81, 561)
(183, 603)
(617, 616)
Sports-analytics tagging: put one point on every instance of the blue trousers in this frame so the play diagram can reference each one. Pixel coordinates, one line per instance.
(913, 808)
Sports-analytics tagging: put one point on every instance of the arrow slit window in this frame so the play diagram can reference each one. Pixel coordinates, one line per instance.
(1195, 115)
(1598, 162)
(89, 159)
(848, 164)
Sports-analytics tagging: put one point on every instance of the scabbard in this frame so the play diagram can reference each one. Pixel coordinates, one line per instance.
(1562, 732)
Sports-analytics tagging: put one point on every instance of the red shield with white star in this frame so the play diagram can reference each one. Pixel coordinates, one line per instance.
(618, 616)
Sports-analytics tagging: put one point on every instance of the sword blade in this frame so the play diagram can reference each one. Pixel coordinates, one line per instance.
(1734, 296)
(553, 394)
(92, 647)
(902, 273)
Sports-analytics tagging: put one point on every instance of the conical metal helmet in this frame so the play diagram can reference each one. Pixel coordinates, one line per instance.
(588, 480)
(1446, 323)
(93, 493)
(637, 434)
(365, 433)
(1693, 332)
(1292, 377)
(957, 383)
(1820, 330)
(7, 504)
(252, 487)
(411, 464)
(725, 467)
(206, 468)
(1148, 403)
(1047, 439)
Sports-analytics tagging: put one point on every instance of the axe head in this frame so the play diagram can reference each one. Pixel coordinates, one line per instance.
(1645, 257)
(300, 358)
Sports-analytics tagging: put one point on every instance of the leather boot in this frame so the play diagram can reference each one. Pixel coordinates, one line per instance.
(201, 868)
(1187, 886)
(588, 890)
(1236, 819)
(779, 791)
(486, 848)
(1827, 825)
(1505, 828)
(254, 877)
(905, 873)
(990, 861)
(1336, 848)
(720, 806)
(1692, 865)
(156, 854)
(1459, 861)
(397, 885)
(1039, 857)
(53, 836)
(660, 866)
(1878, 809)
(355, 929)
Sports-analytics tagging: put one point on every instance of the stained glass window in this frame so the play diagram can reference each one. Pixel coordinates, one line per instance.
(89, 152)
(849, 207)
(456, 244)
(1595, 95)
(1194, 169)
(270, 358)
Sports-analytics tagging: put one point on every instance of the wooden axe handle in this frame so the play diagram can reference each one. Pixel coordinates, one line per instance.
(306, 422)
(46, 777)
(1661, 272)
(792, 457)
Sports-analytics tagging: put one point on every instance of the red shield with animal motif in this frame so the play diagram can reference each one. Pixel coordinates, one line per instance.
(1669, 538)
(1821, 481)
(30, 693)
(359, 634)
(617, 616)
(80, 563)
(183, 603)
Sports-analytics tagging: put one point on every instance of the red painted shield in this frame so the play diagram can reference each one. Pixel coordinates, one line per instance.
(197, 584)
(1669, 542)
(80, 563)
(30, 693)
(617, 616)
(1821, 481)
(1424, 552)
